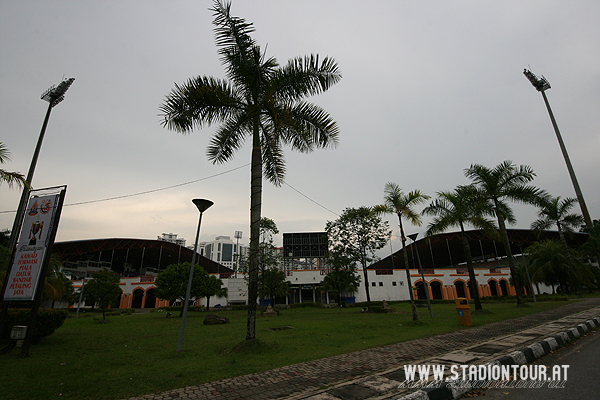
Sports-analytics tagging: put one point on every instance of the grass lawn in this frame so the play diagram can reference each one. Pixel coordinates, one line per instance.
(136, 354)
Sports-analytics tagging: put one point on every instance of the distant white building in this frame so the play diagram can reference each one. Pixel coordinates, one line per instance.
(171, 238)
(223, 250)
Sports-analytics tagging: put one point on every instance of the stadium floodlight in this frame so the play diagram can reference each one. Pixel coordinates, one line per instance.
(541, 84)
(56, 94)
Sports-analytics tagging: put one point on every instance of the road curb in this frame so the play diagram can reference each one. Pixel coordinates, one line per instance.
(526, 355)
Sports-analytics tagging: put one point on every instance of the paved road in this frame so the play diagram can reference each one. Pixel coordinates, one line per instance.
(583, 373)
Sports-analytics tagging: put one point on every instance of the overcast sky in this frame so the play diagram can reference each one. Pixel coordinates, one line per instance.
(428, 88)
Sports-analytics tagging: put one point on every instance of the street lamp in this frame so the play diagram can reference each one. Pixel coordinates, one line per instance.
(202, 205)
(413, 237)
(541, 85)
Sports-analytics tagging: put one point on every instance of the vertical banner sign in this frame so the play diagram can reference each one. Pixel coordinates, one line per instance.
(38, 227)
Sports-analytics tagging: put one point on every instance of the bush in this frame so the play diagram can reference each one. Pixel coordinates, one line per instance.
(48, 320)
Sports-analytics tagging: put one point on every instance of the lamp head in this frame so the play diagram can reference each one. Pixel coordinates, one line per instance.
(413, 237)
(56, 94)
(202, 204)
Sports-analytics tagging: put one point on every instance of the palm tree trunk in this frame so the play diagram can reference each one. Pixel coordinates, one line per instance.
(472, 279)
(563, 241)
(255, 210)
(511, 262)
(408, 280)
(364, 265)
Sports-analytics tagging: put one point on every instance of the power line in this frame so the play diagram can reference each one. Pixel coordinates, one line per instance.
(179, 185)
(147, 191)
(302, 194)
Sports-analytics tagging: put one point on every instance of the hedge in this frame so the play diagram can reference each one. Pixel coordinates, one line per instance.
(48, 320)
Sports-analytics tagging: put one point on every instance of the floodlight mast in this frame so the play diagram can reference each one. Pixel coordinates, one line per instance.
(54, 95)
(541, 84)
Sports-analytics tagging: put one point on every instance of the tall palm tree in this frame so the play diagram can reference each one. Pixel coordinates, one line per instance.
(9, 177)
(496, 187)
(396, 202)
(261, 101)
(554, 211)
(459, 208)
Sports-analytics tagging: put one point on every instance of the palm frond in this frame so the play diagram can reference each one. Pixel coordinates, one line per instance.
(200, 101)
(228, 139)
(272, 158)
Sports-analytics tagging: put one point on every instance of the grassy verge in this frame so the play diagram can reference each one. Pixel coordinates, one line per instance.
(135, 354)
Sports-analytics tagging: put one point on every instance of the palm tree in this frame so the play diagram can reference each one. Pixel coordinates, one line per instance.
(496, 186)
(396, 202)
(262, 101)
(459, 208)
(549, 265)
(554, 211)
(9, 177)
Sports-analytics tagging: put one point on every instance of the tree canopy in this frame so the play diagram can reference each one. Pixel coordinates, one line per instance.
(358, 233)
(103, 289)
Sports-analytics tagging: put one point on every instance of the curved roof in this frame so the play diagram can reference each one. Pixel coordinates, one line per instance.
(130, 255)
(445, 250)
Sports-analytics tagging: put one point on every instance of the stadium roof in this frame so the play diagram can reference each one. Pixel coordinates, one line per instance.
(133, 254)
(445, 250)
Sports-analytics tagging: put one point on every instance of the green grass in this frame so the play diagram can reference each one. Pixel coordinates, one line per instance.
(133, 355)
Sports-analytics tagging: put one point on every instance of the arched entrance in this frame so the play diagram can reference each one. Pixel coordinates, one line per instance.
(138, 296)
(493, 287)
(420, 290)
(504, 287)
(436, 290)
(150, 298)
(460, 289)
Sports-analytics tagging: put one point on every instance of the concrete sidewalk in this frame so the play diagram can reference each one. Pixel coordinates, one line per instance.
(376, 373)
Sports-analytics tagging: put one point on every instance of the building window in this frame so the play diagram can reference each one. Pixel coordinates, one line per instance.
(380, 283)
(394, 283)
(384, 272)
(373, 284)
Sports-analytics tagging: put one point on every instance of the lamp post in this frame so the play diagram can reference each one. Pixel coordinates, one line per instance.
(541, 85)
(202, 205)
(413, 237)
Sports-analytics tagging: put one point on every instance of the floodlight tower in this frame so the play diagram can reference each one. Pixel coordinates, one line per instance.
(54, 95)
(541, 84)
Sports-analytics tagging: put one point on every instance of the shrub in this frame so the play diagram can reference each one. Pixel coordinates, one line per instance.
(48, 320)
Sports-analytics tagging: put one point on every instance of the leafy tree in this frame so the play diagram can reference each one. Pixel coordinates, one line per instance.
(459, 208)
(496, 187)
(554, 211)
(273, 282)
(103, 288)
(171, 284)
(213, 286)
(358, 233)
(396, 202)
(261, 100)
(57, 286)
(10, 178)
(342, 278)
